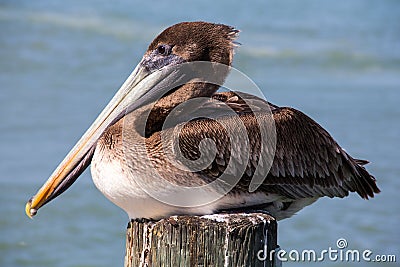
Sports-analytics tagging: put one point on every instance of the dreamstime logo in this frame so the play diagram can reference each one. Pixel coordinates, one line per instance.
(204, 147)
(338, 253)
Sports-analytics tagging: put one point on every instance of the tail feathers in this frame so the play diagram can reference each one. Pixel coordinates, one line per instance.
(365, 183)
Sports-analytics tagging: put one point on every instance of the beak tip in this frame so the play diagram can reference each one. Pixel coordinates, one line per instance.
(30, 212)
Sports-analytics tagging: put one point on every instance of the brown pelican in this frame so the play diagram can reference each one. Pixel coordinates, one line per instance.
(135, 162)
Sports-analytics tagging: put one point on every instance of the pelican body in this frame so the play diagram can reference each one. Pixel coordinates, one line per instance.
(154, 157)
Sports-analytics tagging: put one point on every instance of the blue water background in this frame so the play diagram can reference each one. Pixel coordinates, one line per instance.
(62, 61)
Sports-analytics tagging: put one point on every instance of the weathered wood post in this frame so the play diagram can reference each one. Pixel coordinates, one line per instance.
(218, 240)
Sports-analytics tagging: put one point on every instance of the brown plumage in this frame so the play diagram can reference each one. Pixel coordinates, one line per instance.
(307, 161)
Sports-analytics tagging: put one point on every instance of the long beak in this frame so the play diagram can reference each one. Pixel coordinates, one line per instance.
(132, 94)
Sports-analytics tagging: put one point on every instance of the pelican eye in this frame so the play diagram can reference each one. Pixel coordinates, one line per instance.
(164, 49)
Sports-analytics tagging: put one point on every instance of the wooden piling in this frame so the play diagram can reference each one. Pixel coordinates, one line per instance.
(219, 240)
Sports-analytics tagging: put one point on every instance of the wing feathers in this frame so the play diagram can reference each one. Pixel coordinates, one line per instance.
(307, 160)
